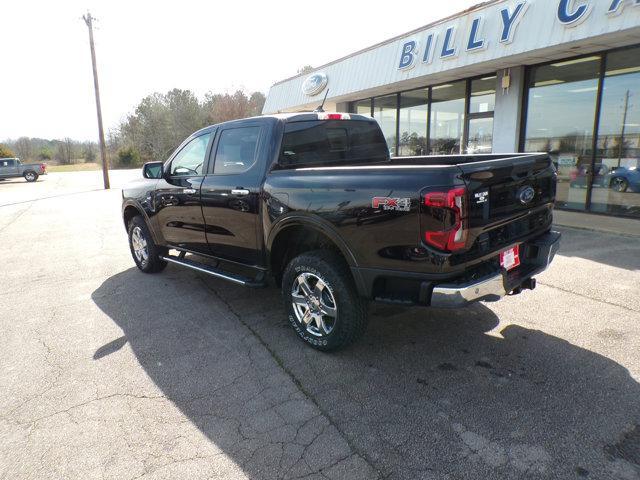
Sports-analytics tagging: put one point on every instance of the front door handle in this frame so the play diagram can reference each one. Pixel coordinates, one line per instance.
(239, 191)
(189, 190)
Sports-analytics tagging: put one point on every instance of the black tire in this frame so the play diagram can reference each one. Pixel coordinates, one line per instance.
(30, 176)
(350, 309)
(619, 184)
(152, 263)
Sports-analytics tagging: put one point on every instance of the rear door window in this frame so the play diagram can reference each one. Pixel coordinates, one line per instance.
(237, 150)
(332, 142)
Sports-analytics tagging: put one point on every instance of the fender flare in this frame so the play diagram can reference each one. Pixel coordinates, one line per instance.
(132, 203)
(300, 219)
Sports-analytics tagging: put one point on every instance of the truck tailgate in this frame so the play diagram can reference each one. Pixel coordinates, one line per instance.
(509, 199)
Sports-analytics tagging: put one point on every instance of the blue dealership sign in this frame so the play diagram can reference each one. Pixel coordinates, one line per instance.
(446, 43)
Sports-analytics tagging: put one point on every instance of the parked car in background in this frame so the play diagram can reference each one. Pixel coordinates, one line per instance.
(580, 177)
(13, 167)
(622, 179)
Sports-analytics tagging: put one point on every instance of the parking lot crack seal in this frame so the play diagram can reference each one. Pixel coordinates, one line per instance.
(588, 297)
(98, 399)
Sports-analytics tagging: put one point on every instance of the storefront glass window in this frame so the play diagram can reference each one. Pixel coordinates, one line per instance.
(560, 118)
(483, 95)
(385, 111)
(362, 107)
(447, 118)
(480, 135)
(413, 122)
(616, 183)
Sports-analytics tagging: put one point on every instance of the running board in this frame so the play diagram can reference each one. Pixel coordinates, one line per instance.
(214, 272)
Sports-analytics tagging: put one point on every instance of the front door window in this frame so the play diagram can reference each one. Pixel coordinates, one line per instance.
(189, 160)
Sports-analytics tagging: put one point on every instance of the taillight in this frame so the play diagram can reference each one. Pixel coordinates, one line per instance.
(333, 116)
(451, 237)
(43, 167)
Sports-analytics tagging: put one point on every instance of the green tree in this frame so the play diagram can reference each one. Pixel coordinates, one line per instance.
(128, 157)
(161, 122)
(45, 154)
(6, 152)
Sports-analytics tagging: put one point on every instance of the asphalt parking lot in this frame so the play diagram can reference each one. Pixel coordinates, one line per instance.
(109, 373)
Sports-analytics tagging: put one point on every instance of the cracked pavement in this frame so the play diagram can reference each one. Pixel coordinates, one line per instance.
(109, 373)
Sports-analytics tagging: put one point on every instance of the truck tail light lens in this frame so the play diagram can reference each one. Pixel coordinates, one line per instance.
(333, 116)
(450, 237)
(43, 167)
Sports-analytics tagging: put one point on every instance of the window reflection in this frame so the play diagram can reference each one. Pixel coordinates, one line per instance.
(413, 122)
(447, 118)
(480, 135)
(362, 107)
(483, 95)
(560, 117)
(385, 112)
(616, 184)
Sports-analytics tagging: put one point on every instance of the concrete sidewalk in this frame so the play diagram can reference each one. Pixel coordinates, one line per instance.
(600, 223)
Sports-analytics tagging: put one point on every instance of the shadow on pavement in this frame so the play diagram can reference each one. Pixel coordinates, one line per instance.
(602, 247)
(425, 394)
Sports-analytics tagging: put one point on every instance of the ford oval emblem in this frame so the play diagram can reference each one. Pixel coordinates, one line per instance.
(525, 194)
(314, 83)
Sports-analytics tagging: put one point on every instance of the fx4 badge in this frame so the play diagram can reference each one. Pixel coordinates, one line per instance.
(388, 203)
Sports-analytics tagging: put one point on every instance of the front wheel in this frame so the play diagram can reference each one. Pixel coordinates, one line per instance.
(144, 251)
(321, 300)
(30, 176)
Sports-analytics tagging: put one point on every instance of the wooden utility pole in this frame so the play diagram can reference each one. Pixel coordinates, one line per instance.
(624, 121)
(88, 19)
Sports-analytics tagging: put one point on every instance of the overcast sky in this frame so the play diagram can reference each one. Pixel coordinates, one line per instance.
(46, 87)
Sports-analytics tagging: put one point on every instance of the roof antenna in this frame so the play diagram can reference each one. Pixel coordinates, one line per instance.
(320, 109)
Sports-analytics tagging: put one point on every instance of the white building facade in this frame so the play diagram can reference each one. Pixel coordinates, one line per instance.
(561, 76)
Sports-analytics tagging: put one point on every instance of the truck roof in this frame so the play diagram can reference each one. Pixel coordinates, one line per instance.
(291, 117)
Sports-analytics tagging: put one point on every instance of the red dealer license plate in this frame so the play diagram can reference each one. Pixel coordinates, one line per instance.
(510, 259)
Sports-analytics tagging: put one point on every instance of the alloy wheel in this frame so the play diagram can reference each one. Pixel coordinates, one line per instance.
(314, 304)
(139, 244)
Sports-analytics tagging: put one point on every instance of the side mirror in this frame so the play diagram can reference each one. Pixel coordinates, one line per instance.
(152, 170)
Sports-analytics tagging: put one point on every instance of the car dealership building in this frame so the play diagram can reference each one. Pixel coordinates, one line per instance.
(561, 76)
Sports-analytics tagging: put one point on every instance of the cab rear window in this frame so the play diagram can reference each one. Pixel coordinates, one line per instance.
(332, 142)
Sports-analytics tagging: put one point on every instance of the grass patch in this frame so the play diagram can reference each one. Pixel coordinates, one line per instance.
(75, 167)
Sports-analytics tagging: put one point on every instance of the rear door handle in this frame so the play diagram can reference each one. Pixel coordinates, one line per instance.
(239, 191)
(189, 190)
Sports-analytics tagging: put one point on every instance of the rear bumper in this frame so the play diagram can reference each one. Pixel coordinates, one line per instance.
(411, 288)
(540, 253)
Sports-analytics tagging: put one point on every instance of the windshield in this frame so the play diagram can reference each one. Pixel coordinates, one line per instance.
(332, 142)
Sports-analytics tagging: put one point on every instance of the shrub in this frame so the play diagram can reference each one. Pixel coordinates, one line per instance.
(128, 157)
(6, 152)
(45, 154)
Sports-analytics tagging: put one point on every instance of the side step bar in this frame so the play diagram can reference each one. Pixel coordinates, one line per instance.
(215, 272)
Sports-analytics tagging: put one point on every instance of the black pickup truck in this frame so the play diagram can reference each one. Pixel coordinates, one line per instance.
(314, 202)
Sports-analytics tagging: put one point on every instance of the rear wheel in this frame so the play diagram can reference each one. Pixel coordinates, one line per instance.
(144, 251)
(30, 176)
(322, 302)
(619, 184)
